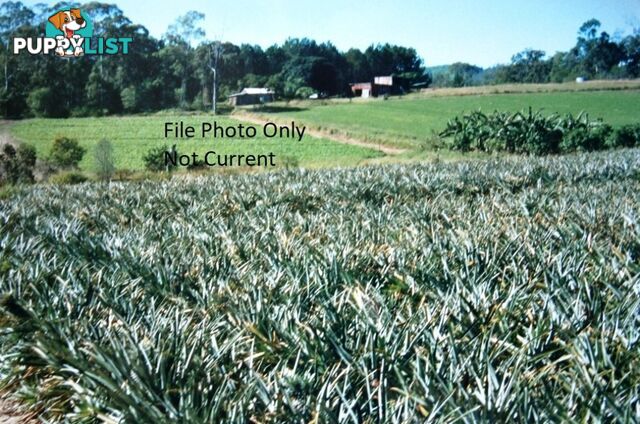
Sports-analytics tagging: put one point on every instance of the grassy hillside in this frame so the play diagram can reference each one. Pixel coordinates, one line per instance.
(485, 291)
(411, 121)
(133, 136)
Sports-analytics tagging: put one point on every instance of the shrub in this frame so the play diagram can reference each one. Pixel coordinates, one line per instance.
(289, 162)
(520, 132)
(598, 136)
(68, 177)
(103, 155)
(531, 132)
(26, 162)
(154, 159)
(586, 139)
(304, 92)
(66, 153)
(16, 164)
(625, 136)
(572, 140)
(528, 132)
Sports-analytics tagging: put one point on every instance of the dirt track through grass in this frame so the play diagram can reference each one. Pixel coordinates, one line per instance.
(331, 135)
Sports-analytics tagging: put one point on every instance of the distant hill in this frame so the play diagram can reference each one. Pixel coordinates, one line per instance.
(457, 74)
(438, 70)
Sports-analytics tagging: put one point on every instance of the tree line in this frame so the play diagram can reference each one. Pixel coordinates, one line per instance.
(176, 70)
(596, 55)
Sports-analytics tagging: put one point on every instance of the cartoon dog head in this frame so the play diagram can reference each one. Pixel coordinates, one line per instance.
(68, 21)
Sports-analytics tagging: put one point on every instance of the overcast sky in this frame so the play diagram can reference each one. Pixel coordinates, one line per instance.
(480, 32)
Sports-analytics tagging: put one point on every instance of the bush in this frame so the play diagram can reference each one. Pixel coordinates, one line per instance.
(517, 133)
(16, 164)
(289, 162)
(154, 159)
(68, 177)
(304, 92)
(529, 133)
(66, 153)
(103, 156)
(625, 136)
(586, 139)
(26, 161)
(599, 137)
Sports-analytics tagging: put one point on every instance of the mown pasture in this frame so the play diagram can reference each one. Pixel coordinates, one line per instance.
(410, 122)
(133, 136)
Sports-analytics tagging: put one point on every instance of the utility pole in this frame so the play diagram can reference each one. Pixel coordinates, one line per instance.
(215, 49)
(214, 96)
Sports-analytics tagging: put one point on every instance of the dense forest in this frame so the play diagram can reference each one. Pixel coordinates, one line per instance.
(175, 71)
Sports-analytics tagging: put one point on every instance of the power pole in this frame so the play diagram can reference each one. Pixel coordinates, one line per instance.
(214, 95)
(215, 50)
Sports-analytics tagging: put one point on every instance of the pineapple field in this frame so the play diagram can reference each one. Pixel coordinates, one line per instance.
(477, 291)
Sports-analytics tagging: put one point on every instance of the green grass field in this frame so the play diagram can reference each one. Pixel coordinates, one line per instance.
(133, 136)
(401, 122)
(410, 122)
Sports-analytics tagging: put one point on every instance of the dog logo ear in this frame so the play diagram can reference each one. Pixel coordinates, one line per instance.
(57, 19)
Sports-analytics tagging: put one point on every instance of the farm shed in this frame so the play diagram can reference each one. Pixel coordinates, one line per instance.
(379, 86)
(362, 89)
(252, 96)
